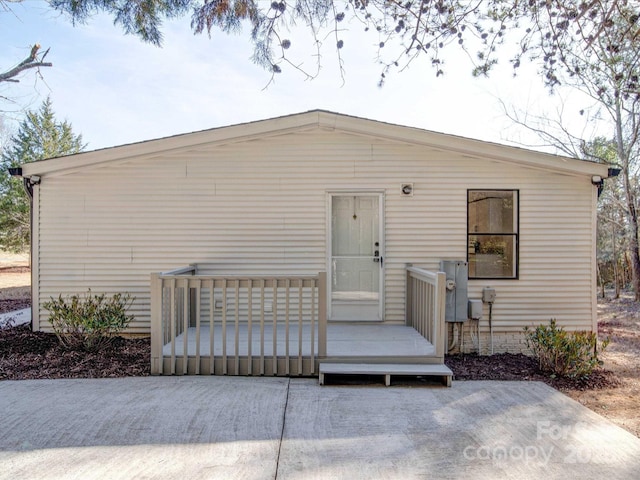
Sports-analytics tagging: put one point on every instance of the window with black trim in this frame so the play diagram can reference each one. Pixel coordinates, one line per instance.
(492, 233)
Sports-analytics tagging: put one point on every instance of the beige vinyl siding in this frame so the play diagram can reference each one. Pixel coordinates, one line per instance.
(259, 207)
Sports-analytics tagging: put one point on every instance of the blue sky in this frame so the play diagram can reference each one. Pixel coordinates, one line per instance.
(114, 89)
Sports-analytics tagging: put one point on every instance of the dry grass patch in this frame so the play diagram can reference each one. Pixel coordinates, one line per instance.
(618, 319)
(15, 278)
(15, 282)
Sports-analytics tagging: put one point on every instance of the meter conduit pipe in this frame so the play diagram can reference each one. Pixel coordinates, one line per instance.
(489, 296)
(491, 325)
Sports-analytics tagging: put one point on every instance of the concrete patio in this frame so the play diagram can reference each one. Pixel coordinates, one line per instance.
(265, 428)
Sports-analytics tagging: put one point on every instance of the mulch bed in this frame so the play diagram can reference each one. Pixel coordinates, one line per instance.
(34, 355)
(31, 355)
(510, 366)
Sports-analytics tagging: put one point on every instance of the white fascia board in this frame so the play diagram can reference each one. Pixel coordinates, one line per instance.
(222, 135)
(470, 147)
(327, 121)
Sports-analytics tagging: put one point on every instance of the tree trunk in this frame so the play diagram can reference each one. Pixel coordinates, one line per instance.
(600, 279)
(632, 234)
(616, 280)
(635, 257)
(632, 211)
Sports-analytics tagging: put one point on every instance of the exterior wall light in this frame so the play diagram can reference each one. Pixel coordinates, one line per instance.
(407, 189)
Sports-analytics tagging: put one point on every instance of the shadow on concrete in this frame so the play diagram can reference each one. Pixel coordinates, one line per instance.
(238, 427)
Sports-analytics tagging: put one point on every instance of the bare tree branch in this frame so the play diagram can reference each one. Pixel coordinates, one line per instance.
(552, 131)
(32, 61)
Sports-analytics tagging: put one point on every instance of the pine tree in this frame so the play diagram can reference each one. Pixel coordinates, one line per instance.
(40, 136)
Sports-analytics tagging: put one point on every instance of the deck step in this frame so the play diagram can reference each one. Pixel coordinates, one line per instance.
(387, 369)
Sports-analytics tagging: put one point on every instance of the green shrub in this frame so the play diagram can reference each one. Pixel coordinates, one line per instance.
(562, 353)
(88, 322)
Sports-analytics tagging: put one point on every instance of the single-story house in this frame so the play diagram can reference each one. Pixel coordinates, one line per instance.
(321, 222)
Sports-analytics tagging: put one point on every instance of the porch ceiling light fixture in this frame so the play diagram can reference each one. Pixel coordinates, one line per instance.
(407, 189)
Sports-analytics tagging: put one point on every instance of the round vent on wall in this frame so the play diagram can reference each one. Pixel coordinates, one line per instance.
(407, 189)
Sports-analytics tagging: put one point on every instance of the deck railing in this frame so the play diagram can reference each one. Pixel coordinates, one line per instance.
(425, 305)
(231, 325)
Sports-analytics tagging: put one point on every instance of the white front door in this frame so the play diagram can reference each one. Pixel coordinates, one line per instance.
(356, 257)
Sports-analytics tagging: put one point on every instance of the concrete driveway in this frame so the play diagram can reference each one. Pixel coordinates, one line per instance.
(264, 428)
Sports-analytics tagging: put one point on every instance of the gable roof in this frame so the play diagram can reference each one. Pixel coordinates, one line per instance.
(320, 119)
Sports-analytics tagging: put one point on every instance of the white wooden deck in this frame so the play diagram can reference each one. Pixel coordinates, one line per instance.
(343, 341)
(299, 342)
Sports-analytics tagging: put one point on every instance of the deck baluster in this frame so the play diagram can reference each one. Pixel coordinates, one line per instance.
(183, 306)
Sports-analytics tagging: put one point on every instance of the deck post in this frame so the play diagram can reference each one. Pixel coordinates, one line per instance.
(322, 315)
(156, 324)
(186, 309)
(439, 313)
(408, 303)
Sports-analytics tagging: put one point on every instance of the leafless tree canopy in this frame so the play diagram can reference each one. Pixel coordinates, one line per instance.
(604, 64)
(404, 30)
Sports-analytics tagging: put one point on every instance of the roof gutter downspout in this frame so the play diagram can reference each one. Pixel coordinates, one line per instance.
(597, 180)
(27, 182)
(613, 172)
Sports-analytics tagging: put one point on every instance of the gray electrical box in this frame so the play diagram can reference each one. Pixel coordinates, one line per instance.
(488, 295)
(475, 309)
(457, 272)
